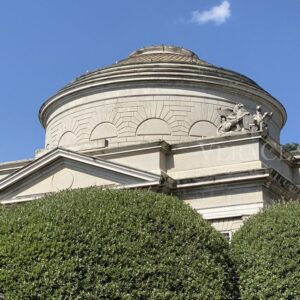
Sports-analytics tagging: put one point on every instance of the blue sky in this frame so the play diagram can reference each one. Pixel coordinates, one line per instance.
(45, 44)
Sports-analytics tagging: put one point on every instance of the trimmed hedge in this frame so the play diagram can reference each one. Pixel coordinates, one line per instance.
(266, 251)
(104, 244)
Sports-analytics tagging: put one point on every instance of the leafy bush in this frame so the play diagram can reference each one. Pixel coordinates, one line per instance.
(266, 251)
(104, 244)
(294, 148)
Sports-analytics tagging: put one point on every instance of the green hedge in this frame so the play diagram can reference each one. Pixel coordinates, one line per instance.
(266, 251)
(103, 244)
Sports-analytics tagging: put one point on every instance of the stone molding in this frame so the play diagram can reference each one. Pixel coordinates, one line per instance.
(164, 73)
(59, 153)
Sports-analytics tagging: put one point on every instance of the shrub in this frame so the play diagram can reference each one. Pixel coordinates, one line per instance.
(104, 244)
(294, 148)
(266, 251)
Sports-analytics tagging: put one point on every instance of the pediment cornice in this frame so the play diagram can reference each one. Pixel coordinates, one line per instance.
(60, 154)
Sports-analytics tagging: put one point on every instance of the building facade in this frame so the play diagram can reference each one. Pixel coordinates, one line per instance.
(164, 120)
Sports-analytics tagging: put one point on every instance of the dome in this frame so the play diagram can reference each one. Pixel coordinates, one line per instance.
(156, 93)
(163, 54)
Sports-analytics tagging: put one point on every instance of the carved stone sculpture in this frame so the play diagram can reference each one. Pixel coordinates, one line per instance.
(237, 120)
(261, 119)
(234, 120)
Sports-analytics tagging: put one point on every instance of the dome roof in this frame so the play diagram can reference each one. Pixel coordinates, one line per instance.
(158, 54)
(153, 61)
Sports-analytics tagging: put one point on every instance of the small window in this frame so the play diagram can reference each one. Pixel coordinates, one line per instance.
(227, 235)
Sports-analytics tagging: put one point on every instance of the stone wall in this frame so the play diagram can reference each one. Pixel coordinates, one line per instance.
(137, 115)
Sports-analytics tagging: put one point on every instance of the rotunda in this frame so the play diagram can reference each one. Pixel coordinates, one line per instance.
(165, 120)
(157, 93)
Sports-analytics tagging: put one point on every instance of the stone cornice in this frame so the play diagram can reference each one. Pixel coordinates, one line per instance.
(297, 159)
(157, 185)
(60, 153)
(130, 149)
(202, 144)
(163, 73)
(224, 178)
(268, 177)
(282, 186)
(12, 166)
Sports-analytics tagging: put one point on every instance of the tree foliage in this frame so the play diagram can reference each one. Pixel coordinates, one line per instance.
(292, 147)
(104, 244)
(266, 251)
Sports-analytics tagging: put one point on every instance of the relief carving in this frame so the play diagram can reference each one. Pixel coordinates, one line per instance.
(261, 119)
(239, 120)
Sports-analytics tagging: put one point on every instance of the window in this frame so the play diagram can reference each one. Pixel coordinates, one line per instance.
(227, 235)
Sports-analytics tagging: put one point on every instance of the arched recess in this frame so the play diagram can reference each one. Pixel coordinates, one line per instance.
(203, 129)
(67, 139)
(103, 131)
(153, 127)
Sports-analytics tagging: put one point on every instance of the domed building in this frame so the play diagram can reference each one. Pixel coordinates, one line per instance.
(164, 120)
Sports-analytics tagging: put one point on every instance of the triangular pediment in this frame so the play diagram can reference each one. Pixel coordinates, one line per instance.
(64, 169)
